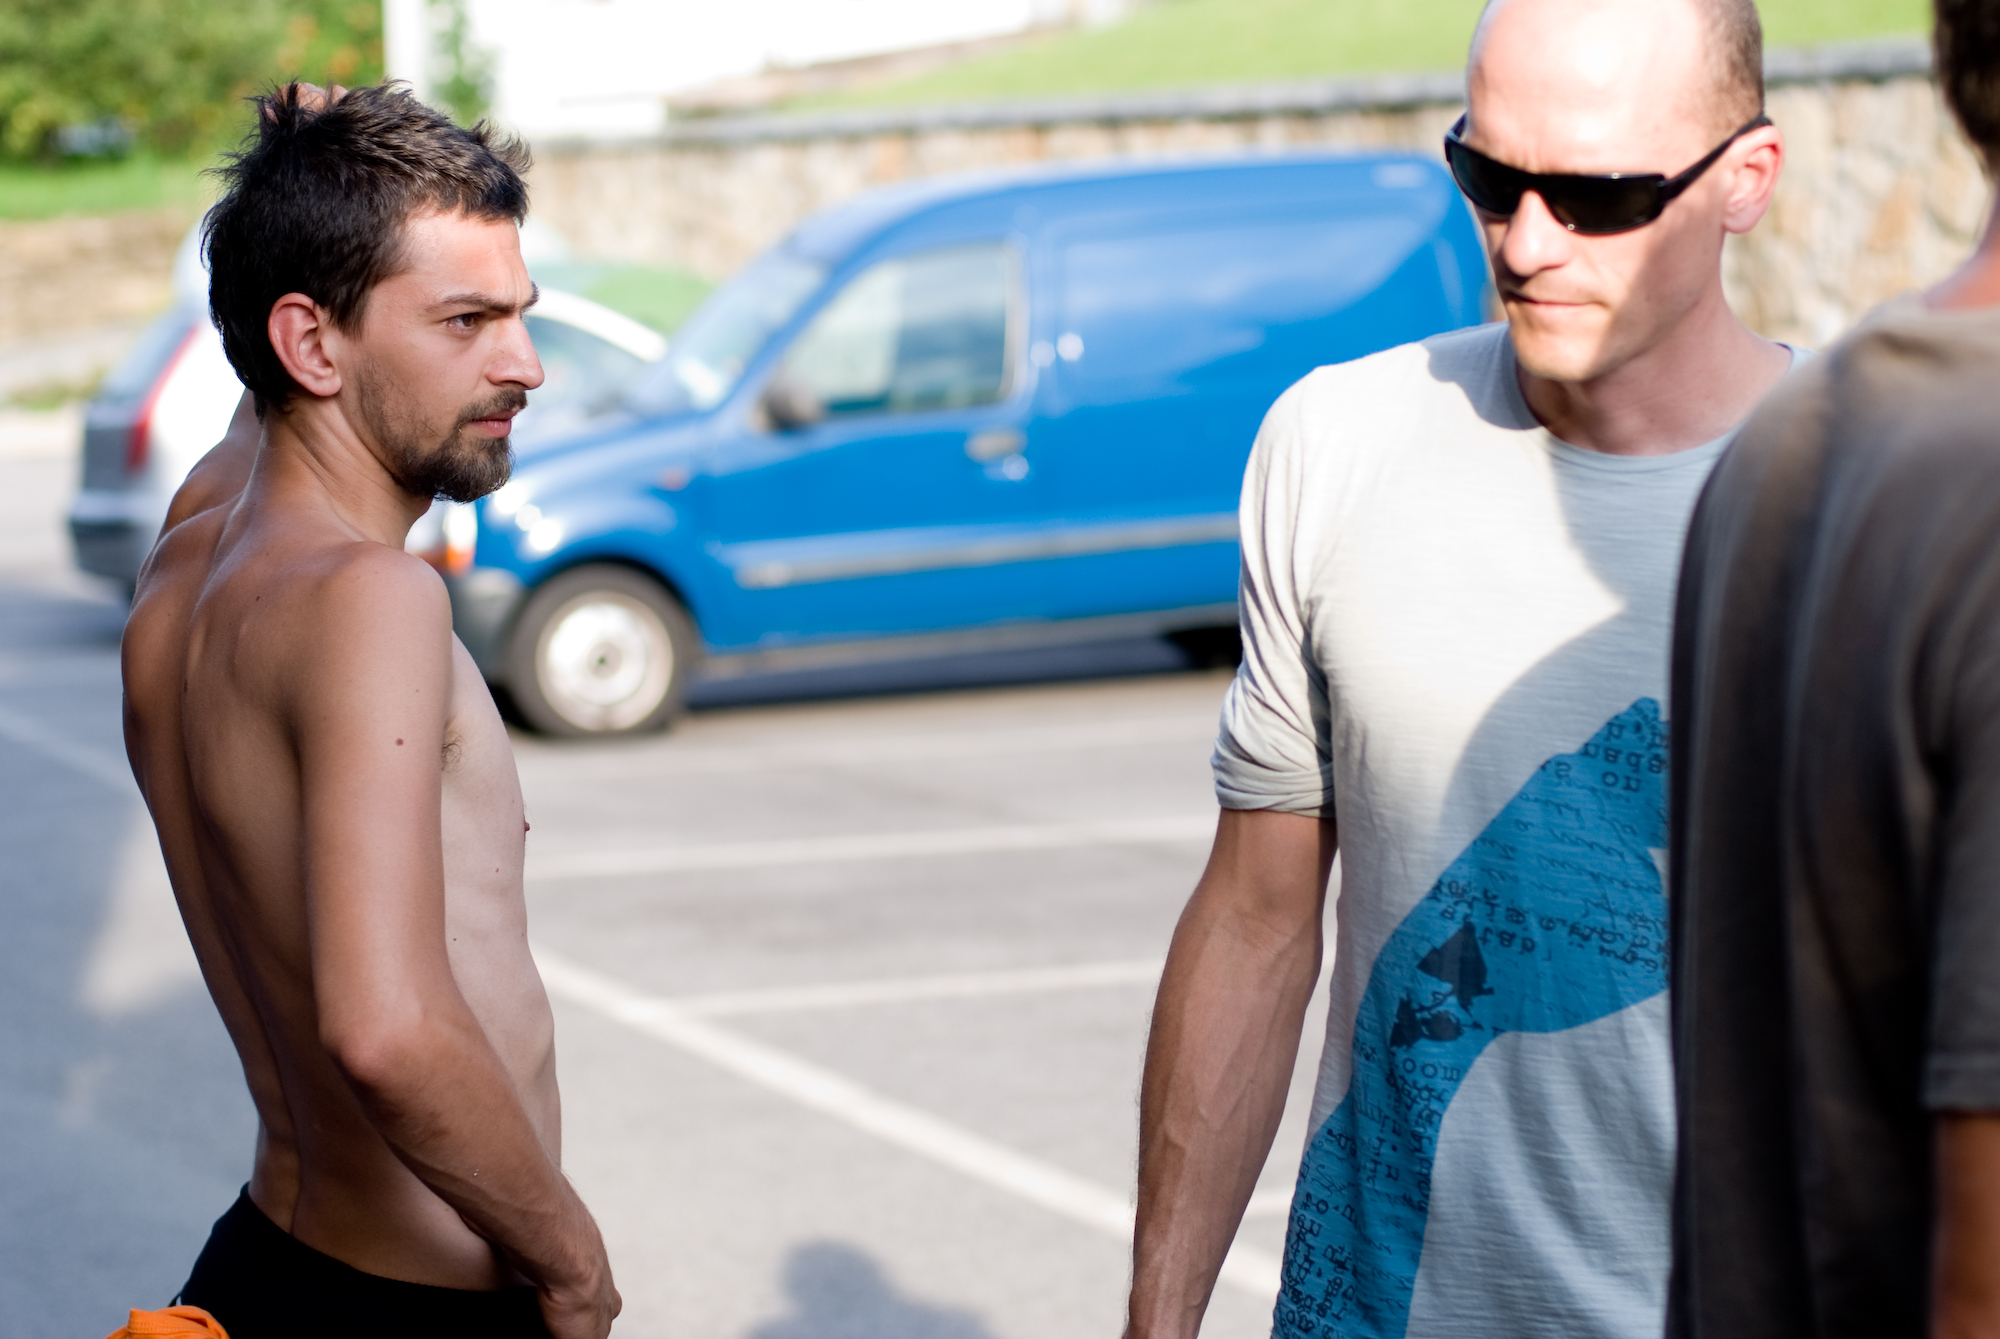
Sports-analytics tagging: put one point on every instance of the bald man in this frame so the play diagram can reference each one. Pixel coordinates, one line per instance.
(1459, 561)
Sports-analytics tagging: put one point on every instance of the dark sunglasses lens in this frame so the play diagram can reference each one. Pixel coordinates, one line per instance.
(1494, 188)
(1599, 205)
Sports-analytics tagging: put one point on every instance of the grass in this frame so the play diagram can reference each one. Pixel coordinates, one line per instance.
(51, 395)
(659, 298)
(1179, 43)
(142, 181)
(649, 294)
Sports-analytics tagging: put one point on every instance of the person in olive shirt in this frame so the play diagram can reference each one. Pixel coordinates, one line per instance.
(1836, 849)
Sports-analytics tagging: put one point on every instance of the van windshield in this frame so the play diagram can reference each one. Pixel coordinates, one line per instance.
(707, 356)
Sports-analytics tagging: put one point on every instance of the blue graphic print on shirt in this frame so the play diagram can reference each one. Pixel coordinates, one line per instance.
(1552, 918)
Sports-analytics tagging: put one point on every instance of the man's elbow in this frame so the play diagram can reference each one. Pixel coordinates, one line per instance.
(383, 1052)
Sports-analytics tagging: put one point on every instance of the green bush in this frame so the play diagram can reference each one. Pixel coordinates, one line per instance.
(171, 73)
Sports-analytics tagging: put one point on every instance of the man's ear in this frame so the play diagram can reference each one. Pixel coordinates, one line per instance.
(1754, 180)
(300, 331)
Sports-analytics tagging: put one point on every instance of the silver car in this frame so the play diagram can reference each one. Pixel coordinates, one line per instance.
(172, 397)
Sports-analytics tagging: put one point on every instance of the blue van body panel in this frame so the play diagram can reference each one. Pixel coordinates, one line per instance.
(1158, 311)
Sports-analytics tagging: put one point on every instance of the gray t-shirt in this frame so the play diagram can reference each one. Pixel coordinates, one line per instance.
(1837, 844)
(1455, 641)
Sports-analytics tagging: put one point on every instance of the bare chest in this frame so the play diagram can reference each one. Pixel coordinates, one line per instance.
(484, 826)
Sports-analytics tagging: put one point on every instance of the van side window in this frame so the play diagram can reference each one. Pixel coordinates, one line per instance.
(925, 331)
(1168, 310)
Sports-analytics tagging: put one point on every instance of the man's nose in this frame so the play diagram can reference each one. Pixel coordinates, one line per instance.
(1534, 240)
(516, 360)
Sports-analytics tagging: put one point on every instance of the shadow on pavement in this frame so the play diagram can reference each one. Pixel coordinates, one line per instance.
(127, 1125)
(1094, 660)
(839, 1292)
(73, 616)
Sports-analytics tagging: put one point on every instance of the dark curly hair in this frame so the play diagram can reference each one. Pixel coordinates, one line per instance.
(315, 200)
(1967, 47)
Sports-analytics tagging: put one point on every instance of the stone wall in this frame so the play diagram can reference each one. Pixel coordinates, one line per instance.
(69, 275)
(1880, 192)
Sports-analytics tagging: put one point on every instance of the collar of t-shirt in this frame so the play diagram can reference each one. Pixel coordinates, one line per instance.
(1693, 457)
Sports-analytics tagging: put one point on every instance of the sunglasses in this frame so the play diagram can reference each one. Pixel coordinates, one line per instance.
(1596, 204)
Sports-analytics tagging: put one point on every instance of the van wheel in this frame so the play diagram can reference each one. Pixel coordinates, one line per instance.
(1210, 648)
(601, 651)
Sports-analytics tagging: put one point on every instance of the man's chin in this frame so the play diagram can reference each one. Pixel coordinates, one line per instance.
(1566, 347)
(464, 479)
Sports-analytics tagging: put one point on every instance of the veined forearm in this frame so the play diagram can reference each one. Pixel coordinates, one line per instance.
(1218, 1065)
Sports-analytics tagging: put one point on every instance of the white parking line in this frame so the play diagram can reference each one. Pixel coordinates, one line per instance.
(1269, 1203)
(906, 1127)
(869, 846)
(907, 990)
(682, 757)
(93, 763)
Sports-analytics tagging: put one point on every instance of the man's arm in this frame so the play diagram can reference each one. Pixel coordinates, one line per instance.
(1966, 1304)
(1219, 1061)
(369, 718)
(220, 474)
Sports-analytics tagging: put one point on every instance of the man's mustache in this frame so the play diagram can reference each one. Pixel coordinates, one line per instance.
(508, 401)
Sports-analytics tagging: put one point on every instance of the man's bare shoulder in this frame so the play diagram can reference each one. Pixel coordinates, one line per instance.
(344, 608)
(293, 610)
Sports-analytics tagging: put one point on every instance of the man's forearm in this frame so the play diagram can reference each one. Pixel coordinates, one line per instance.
(1967, 1299)
(444, 1103)
(1219, 1062)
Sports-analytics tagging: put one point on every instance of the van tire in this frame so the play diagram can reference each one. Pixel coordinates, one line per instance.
(600, 651)
(1210, 648)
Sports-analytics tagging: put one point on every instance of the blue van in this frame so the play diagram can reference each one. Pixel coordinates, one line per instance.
(953, 415)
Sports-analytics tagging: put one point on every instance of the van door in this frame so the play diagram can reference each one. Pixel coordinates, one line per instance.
(1173, 335)
(897, 497)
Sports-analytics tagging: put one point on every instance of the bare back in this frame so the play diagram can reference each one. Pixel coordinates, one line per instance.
(225, 664)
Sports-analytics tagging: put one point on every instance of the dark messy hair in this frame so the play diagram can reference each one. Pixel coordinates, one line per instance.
(1967, 46)
(315, 202)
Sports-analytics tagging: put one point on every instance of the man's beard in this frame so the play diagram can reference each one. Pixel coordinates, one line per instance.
(464, 466)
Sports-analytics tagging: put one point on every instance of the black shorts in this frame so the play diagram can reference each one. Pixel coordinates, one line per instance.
(263, 1283)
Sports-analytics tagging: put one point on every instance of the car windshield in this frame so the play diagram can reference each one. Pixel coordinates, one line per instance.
(707, 356)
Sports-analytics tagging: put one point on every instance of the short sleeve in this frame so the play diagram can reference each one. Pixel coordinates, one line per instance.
(1273, 750)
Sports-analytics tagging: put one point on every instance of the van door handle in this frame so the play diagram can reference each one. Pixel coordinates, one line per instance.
(995, 443)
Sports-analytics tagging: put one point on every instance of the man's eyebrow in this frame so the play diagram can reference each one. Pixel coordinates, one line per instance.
(486, 302)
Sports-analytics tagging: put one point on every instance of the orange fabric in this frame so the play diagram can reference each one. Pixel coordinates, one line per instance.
(175, 1320)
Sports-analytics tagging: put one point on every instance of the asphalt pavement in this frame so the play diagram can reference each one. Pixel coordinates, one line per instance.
(851, 977)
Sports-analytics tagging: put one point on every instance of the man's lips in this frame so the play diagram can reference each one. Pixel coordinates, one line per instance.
(1516, 295)
(496, 425)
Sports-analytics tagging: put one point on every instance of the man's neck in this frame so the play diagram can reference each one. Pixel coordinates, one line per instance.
(1976, 283)
(1689, 388)
(312, 455)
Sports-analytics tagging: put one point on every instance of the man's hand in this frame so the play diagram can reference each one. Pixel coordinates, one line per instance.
(312, 98)
(1225, 1036)
(1967, 1300)
(582, 1307)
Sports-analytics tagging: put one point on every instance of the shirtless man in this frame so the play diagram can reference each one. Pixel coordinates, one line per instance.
(333, 789)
